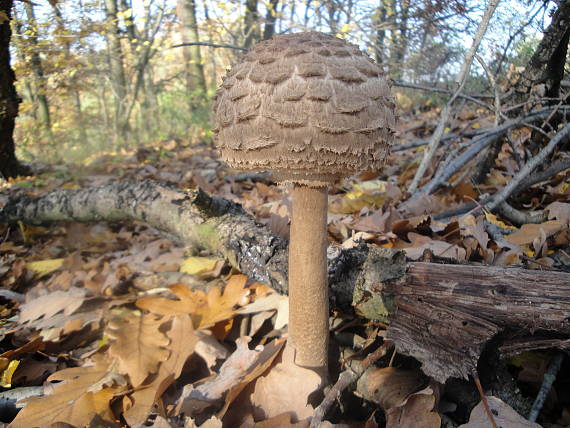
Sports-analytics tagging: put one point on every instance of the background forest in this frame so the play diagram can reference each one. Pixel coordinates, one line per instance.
(104, 75)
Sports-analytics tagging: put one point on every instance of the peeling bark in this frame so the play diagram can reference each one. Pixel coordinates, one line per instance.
(444, 315)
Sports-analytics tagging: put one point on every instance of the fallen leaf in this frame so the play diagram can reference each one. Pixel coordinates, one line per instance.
(505, 416)
(138, 345)
(205, 309)
(559, 211)
(198, 265)
(529, 232)
(50, 304)
(44, 267)
(84, 393)
(182, 343)
(272, 394)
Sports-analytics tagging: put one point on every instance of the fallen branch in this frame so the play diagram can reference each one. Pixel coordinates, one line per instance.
(459, 83)
(444, 315)
(529, 167)
(211, 45)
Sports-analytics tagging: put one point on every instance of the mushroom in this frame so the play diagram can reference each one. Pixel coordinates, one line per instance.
(311, 108)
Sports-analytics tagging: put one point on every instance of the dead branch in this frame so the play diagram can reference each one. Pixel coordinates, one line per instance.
(460, 83)
(476, 98)
(211, 45)
(453, 164)
(529, 167)
(444, 315)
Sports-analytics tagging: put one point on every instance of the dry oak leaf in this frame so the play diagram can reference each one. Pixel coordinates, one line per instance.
(241, 368)
(529, 232)
(85, 393)
(273, 392)
(50, 304)
(395, 391)
(205, 309)
(505, 416)
(138, 345)
(183, 340)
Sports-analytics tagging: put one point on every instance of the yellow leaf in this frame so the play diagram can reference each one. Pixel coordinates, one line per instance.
(492, 218)
(84, 393)
(6, 378)
(476, 125)
(205, 309)
(198, 265)
(138, 345)
(44, 267)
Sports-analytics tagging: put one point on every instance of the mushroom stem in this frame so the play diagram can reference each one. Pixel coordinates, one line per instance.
(308, 290)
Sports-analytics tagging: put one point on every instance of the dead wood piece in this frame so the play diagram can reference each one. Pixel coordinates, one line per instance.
(444, 315)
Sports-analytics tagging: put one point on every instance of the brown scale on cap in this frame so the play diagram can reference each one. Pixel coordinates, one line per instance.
(308, 106)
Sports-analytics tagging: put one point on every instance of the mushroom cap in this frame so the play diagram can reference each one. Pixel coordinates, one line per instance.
(309, 106)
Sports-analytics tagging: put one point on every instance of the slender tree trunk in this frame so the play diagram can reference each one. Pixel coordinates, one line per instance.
(379, 21)
(37, 68)
(547, 63)
(24, 80)
(195, 77)
(270, 19)
(9, 165)
(117, 68)
(251, 23)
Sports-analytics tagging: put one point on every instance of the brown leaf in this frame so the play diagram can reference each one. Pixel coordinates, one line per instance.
(84, 393)
(530, 232)
(559, 211)
(504, 415)
(205, 309)
(273, 392)
(237, 371)
(182, 343)
(52, 303)
(389, 387)
(138, 345)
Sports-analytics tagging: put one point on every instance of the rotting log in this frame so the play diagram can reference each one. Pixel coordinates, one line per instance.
(442, 314)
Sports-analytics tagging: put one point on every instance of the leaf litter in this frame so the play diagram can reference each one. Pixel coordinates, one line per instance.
(118, 325)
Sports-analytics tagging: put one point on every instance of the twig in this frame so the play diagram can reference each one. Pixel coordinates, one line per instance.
(460, 83)
(345, 379)
(518, 217)
(472, 98)
(489, 74)
(530, 166)
(484, 399)
(451, 166)
(547, 381)
(211, 45)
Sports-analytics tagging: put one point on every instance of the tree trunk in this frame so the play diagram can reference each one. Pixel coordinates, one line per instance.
(547, 63)
(379, 22)
(251, 23)
(444, 315)
(194, 68)
(117, 69)
(270, 19)
(37, 68)
(9, 165)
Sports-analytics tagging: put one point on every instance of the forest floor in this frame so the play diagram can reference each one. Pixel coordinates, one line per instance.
(88, 304)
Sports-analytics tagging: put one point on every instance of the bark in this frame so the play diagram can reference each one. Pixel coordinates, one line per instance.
(9, 100)
(117, 68)
(251, 23)
(379, 20)
(195, 77)
(270, 19)
(547, 63)
(443, 315)
(37, 68)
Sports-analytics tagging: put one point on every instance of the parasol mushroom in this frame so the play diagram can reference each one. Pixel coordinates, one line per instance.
(311, 108)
